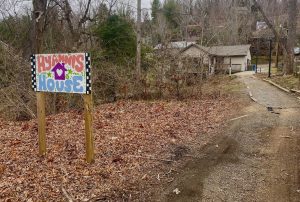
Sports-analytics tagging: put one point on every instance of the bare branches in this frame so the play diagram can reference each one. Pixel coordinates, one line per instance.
(68, 15)
(111, 3)
(270, 25)
(85, 17)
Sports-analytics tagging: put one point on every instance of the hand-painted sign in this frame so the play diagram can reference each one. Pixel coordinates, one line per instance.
(65, 73)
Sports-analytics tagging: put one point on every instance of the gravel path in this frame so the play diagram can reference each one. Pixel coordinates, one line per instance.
(254, 158)
(268, 95)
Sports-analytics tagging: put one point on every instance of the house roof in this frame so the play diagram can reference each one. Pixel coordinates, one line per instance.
(175, 45)
(203, 48)
(59, 66)
(237, 50)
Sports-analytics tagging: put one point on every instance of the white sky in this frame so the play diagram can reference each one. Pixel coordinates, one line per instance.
(26, 4)
(146, 3)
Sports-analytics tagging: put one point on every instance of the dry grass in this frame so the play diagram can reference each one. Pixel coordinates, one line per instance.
(133, 140)
(286, 81)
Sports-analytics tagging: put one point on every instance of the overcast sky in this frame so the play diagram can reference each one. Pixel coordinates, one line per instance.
(27, 4)
(146, 3)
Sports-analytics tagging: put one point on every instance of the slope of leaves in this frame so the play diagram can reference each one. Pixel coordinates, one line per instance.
(134, 145)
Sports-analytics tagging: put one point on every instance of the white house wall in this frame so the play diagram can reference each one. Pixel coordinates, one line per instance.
(239, 63)
(197, 53)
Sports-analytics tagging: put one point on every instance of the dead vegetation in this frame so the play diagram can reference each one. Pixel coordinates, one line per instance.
(139, 144)
(287, 81)
(17, 99)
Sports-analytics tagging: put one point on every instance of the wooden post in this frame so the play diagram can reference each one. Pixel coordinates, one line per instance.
(39, 9)
(89, 139)
(41, 116)
(230, 68)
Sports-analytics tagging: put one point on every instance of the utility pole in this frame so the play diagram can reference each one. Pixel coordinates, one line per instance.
(39, 7)
(138, 41)
(277, 43)
(257, 49)
(270, 58)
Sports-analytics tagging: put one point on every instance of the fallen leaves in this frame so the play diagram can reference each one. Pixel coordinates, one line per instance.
(2, 169)
(135, 141)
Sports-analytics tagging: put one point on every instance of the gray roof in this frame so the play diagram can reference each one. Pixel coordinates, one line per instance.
(175, 45)
(237, 50)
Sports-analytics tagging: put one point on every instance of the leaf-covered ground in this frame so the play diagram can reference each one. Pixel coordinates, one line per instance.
(136, 143)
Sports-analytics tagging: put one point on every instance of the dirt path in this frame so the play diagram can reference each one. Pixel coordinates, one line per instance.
(255, 158)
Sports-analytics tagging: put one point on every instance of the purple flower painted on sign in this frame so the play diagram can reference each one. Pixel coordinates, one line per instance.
(59, 71)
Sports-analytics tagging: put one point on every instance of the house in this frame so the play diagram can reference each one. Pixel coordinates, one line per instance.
(260, 25)
(220, 58)
(296, 51)
(197, 56)
(59, 71)
(173, 47)
(297, 55)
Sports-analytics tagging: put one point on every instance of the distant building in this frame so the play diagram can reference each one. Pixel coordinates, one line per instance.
(297, 51)
(220, 58)
(173, 47)
(261, 25)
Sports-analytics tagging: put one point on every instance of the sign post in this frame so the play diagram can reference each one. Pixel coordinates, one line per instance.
(39, 8)
(41, 116)
(230, 68)
(89, 139)
(63, 73)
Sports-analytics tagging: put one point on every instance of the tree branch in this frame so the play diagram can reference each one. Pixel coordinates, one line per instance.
(270, 25)
(84, 17)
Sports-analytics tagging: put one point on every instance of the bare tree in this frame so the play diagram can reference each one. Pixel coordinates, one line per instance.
(138, 40)
(292, 24)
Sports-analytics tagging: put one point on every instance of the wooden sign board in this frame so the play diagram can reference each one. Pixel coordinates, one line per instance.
(63, 73)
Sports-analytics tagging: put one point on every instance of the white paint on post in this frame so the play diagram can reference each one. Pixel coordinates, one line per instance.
(230, 68)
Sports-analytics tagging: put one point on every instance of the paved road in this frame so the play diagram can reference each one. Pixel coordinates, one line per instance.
(255, 158)
(267, 95)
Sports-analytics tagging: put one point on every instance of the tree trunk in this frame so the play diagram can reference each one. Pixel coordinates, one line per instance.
(292, 24)
(39, 7)
(270, 25)
(138, 39)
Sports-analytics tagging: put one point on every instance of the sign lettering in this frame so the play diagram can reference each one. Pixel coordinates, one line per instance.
(61, 73)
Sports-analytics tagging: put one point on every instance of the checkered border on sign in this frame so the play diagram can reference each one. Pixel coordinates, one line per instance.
(88, 73)
(33, 72)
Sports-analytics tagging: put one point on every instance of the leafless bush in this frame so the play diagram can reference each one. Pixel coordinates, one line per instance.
(17, 98)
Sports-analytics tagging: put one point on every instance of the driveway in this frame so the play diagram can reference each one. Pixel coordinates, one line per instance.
(255, 157)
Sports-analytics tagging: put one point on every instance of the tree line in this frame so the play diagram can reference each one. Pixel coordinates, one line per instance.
(107, 29)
